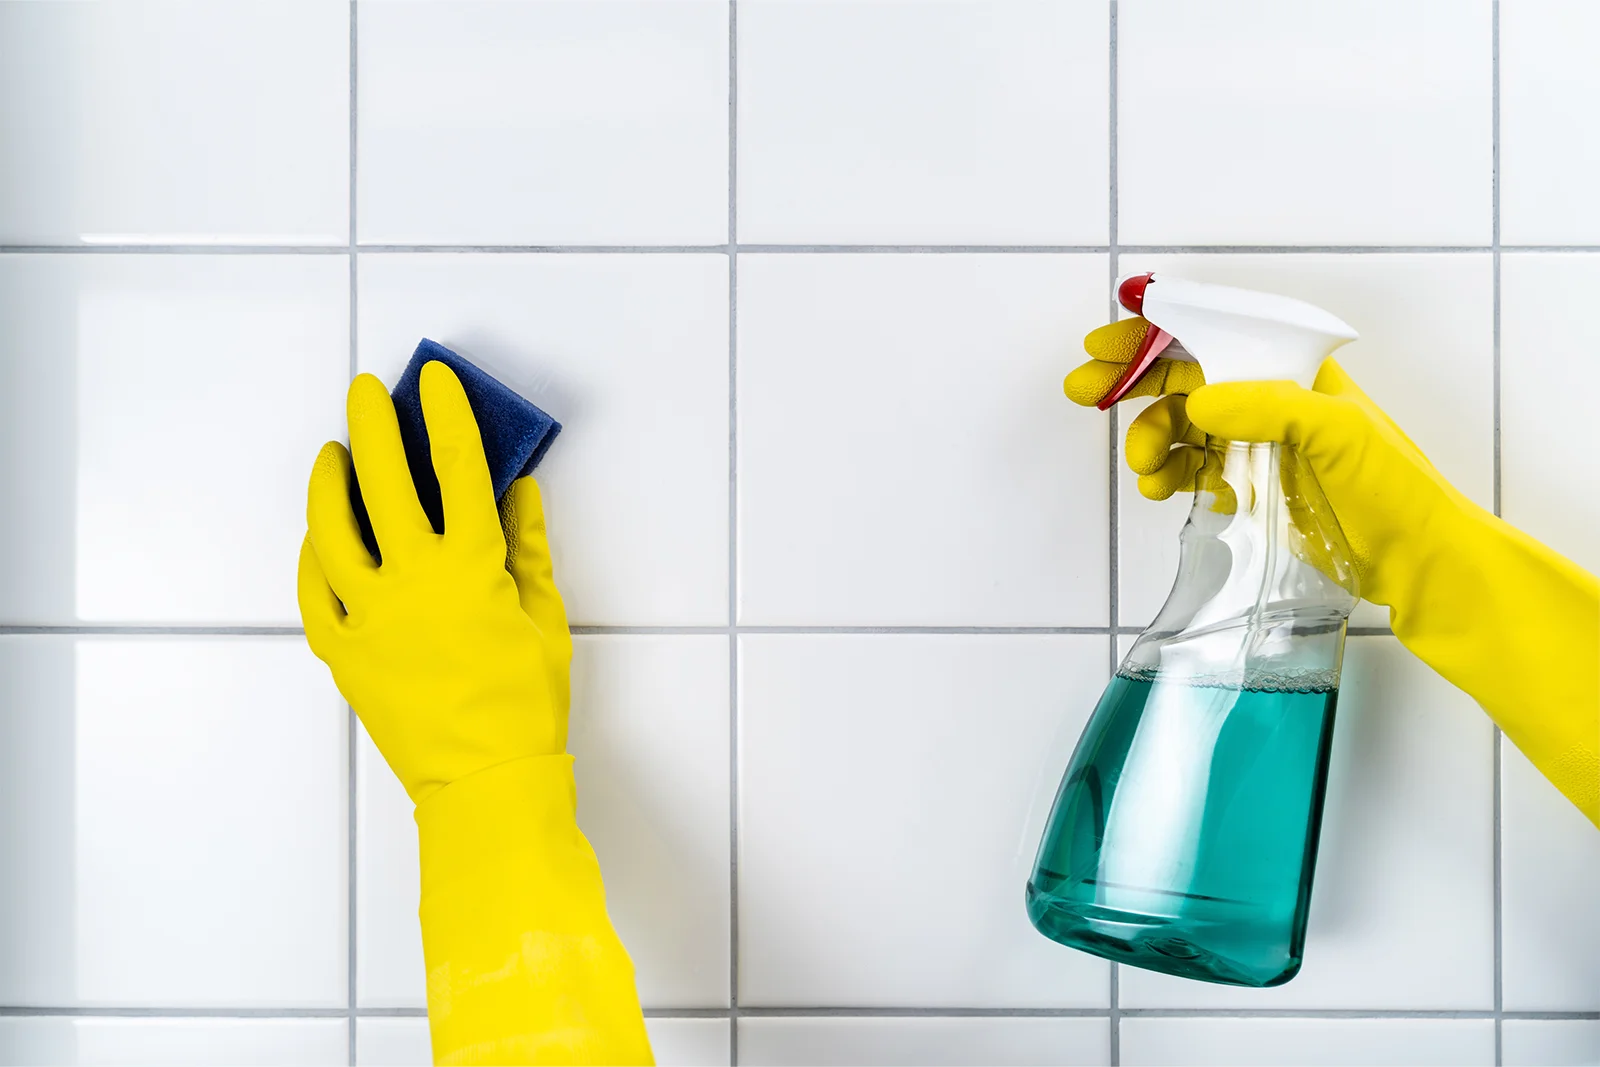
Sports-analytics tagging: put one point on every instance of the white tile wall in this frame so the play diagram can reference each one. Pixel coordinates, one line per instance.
(876, 775)
(650, 739)
(389, 1042)
(901, 459)
(173, 1042)
(801, 279)
(554, 122)
(155, 416)
(1549, 88)
(1552, 1043)
(1307, 1042)
(922, 1041)
(894, 123)
(173, 824)
(172, 122)
(1552, 926)
(631, 354)
(1357, 122)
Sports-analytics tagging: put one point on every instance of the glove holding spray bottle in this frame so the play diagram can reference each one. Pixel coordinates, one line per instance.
(1184, 836)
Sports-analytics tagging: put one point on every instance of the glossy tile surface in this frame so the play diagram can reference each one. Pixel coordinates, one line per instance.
(922, 1041)
(905, 454)
(559, 122)
(1402, 907)
(404, 1042)
(1308, 1042)
(1550, 472)
(926, 126)
(158, 420)
(1552, 861)
(170, 122)
(1552, 1043)
(1549, 88)
(174, 822)
(1426, 357)
(90, 1042)
(649, 731)
(892, 792)
(1360, 123)
(630, 354)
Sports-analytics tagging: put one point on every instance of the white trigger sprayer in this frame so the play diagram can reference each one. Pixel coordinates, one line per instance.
(1183, 838)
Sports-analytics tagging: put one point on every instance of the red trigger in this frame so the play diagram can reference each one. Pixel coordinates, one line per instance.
(1155, 342)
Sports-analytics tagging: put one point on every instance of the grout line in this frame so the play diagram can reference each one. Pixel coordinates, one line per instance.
(603, 631)
(352, 900)
(733, 532)
(330, 249)
(169, 1012)
(1114, 607)
(1498, 745)
(885, 249)
(424, 249)
(154, 631)
(343, 248)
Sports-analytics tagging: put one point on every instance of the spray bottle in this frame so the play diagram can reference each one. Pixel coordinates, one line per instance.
(1184, 835)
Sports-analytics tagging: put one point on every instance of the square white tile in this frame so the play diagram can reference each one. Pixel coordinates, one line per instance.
(404, 1042)
(1307, 1042)
(1426, 356)
(1362, 122)
(1550, 866)
(630, 354)
(1550, 474)
(561, 122)
(174, 823)
(649, 731)
(1402, 911)
(171, 121)
(919, 1041)
(892, 792)
(905, 454)
(1551, 1042)
(1549, 89)
(128, 1042)
(907, 123)
(158, 420)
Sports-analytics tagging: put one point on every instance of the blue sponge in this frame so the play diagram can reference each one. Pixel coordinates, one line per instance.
(516, 434)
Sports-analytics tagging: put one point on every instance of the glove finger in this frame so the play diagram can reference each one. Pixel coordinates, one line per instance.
(1174, 376)
(398, 520)
(1116, 342)
(466, 489)
(331, 520)
(321, 614)
(528, 558)
(1111, 348)
(1176, 475)
(1155, 430)
(1085, 385)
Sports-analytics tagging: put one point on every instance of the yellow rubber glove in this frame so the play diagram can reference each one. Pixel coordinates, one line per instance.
(454, 653)
(1510, 622)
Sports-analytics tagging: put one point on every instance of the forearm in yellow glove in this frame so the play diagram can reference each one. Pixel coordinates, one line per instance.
(1512, 623)
(454, 652)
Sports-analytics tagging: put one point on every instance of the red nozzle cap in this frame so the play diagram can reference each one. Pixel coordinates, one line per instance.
(1130, 294)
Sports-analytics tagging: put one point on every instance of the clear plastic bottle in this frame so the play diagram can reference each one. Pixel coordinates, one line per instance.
(1184, 835)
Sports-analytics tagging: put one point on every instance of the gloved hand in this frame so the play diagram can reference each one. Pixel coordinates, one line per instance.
(1512, 623)
(454, 652)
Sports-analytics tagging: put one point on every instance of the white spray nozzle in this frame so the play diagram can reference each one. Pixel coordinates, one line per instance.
(1234, 334)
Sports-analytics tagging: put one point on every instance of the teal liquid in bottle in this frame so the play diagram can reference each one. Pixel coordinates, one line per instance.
(1184, 836)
